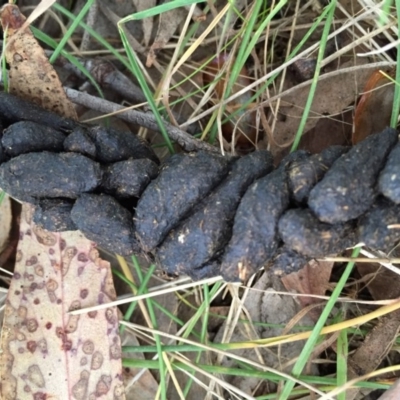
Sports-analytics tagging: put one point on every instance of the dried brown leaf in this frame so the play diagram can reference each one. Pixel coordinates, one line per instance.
(312, 279)
(45, 351)
(374, 109)
(168, 24)
(31, 75)
(147, 23)
(332, 96)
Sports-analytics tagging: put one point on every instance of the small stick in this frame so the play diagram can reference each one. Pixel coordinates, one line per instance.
(146, 120)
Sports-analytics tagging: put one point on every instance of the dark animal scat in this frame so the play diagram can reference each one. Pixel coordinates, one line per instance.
(103, 220)
(183, 181)
(78, 141)
(47, 175)
(113, 145)
(301, 231)
(349, 188)
(379, 228)
(54, 215)
(254, 239)
(27, 136)
(305, 173)
(125, 179)
(200, 236)
(389, 179)
(13, 109)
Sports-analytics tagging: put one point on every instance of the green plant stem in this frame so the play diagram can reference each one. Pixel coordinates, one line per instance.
(312, 340)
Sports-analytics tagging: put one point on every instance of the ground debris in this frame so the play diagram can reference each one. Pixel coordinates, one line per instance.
(206, 231)
(46, 175)
(103, 220)
(184, 180)
(348, 188)
(301, 231)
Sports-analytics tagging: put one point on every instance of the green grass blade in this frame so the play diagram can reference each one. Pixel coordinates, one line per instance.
(342, 360)
(313, 87)
(162, 8)
(75, 23)
(146, 90)
(396, 99)
(312, 340)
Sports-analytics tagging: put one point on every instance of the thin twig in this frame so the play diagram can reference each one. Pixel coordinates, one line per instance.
(146, 120)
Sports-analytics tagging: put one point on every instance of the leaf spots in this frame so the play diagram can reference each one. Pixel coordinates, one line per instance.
(35, 376)
(32, 325)
(88, 347)
(111, 316)
(103, 385)
(31, 345)
(48, 325)
(84, 293)
(44, 237)
(80, 389)
(82, 257)
(39, 270)
(97, 360)
(115, 351)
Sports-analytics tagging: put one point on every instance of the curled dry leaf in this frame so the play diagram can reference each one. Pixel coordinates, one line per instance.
(45, 351)
(374, 109)
(31, 75)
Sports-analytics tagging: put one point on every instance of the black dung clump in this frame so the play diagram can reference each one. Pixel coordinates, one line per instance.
(3, 155)
(379, 228)
(27, 136)
(103, 220)
(206, 231)
(304, 174)
(348, 188)
(128, 178)
(287, 261)
(113, 145)
(210, 269)
(184, 180)
(301, 231)
(54, 215)
(14, 109)
(389, 179)
(254, 239)
(40, 175)
(78, 141)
